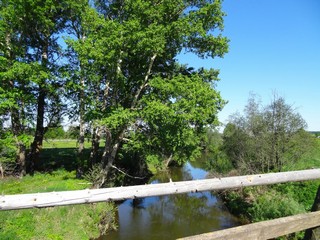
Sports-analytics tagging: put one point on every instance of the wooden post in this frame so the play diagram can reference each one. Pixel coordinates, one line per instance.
(314, 233)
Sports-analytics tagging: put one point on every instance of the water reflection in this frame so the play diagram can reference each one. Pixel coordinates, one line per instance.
(174, 216)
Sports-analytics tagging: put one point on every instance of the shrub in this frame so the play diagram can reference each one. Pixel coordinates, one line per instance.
(273, 205)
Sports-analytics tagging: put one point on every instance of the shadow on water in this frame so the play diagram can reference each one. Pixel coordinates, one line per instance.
(174, 216)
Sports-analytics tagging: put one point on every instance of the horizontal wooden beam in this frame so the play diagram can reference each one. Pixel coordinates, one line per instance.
(39, 200)
(264, 230)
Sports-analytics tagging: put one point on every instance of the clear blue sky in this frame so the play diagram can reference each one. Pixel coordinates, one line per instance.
(274, 47)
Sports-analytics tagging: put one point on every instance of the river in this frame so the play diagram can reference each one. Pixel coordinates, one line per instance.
(174, 216)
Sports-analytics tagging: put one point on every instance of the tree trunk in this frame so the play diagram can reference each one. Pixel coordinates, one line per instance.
(109, 156)
(38, 200)
(80, 157)
(1, 171)
(81, 135)
(81, 139)
(95, 144)
(16, 120)
(36, 146)
(81, 114)
(17, 129)
(107, 148)
(168, 161)
(22, 159)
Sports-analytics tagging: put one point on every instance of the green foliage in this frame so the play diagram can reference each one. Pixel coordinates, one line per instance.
(176, 112)
(218, 162)
(117, 118)
(216, 159)
(7, 147)
(55, 133)
(124, 77)
(266, 139)
(302, 192)
(30, 86)
(273, 205)
(153, 160)
(269, 202)
(73, 132)
(236, 203)
(118, 71)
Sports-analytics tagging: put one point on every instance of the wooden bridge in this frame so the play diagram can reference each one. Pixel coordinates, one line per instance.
(260, 230)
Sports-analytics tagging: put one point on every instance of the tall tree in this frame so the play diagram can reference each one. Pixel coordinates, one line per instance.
(284, 124)
(79, 77)
(143, 100)
(30, 54)
(43, 21)
(15, 77)
(266, 138)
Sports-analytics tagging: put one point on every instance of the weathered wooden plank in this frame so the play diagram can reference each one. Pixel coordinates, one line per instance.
(264, 230)
(38, 200)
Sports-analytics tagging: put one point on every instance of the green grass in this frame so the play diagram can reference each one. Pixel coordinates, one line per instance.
(67, 222)
(60, 180)
(63, 143)
(57, 154)
(310, 160)
(63, 153)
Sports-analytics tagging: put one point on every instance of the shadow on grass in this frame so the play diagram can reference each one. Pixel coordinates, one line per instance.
(52, 159)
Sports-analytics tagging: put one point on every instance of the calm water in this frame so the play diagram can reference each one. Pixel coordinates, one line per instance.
(171, 217)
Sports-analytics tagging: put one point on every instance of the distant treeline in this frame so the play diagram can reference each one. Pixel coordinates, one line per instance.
(316, 133)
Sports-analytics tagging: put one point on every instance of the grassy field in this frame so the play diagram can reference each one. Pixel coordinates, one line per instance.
(58, 154)
(69, 222)
(310, 160)
(63, 143)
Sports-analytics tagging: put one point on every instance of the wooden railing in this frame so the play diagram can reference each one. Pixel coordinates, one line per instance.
(261, 230)
(264, 230)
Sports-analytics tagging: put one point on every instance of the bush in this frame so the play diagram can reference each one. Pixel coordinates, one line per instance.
(8, 148)
(273, 205)
(219, 162)
(55, 133)
(302, 192)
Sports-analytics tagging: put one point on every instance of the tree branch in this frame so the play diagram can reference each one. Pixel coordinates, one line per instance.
(128, 175)
(145, 83)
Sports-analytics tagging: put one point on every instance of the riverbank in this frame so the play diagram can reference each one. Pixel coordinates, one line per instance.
(68, 222)
(254, 204)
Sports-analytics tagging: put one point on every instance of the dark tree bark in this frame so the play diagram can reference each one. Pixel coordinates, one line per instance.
(21, 148)
(95, 143)
(36, 146)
